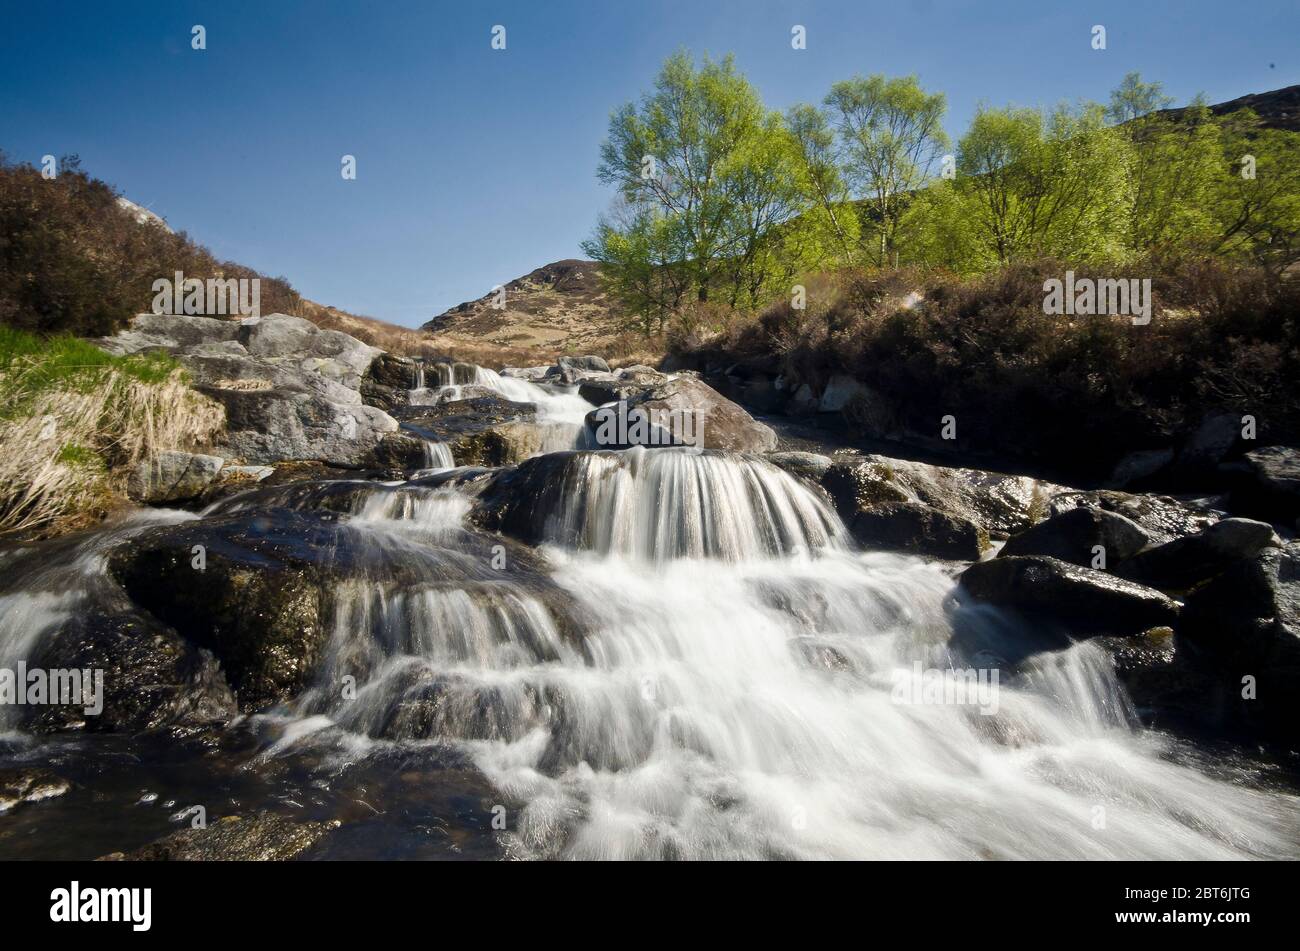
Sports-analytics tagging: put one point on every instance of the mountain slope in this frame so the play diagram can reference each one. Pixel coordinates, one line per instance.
(556, 307)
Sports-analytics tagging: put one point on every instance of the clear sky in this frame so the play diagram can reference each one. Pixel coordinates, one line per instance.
(474, 166)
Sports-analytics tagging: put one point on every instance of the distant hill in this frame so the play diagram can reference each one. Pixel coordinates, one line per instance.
(556, 307)
(1277, 109)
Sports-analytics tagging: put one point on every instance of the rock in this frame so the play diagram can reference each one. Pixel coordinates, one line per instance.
(626, 384)
(152, 677)
(1083, 601)
(1163, 518)
(291, 390)
(257, 603)
(483, 430)
(809, 465)
(1162, 682)
(273, 425)
(718, 422)
(259, 838)
(390, 370)
(24, 785)
(1273, 490)
(331, 353)
(1209, 445)
(172, 476)
(531, 374)
(1141, 465)
(918, 528)
(839, 392)
(597, 364)
(1072, 536)
(1000, 504)
(1185, 562)
(683, 405)
(804, 401)
(243, 475)
(1246, 622)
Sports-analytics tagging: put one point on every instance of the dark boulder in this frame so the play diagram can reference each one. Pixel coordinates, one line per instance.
(1246, 623)
(1162, 517)
(1184, 562)
(1272, 486)
(1073, 535)
(1083, 601)
(152, 677)
(919, 529)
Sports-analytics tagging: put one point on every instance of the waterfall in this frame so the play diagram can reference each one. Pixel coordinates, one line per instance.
(716, 673)
(437, 455)
(661, 504)
(560, 412)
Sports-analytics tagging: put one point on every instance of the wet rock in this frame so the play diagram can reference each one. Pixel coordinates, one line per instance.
(394, 372)
(246, 588)
(1074, 534)
(1083, 601)
(486, 430)
(151, 676)
(720, 423)
(264, 837)
(1246, 622)
(999, 504)
(25, 785)
(1163, 518)
(173, 476)
(1184, 562)
(1163, 683)
(918, 528)
(809, 465)
(400, 451)
(699, 414)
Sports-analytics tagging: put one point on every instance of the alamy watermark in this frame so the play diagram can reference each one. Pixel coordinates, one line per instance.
(215, 296)
(617, 425)
(36, 686)
(1086, 296)
(974, 687)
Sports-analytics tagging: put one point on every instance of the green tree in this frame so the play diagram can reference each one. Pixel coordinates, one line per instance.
(890, 134)
(1133, 99)
(1039, 183)
(714, 187)
(1256, 197)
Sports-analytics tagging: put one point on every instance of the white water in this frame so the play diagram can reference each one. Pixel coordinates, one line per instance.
(561, 412)
(730, 694)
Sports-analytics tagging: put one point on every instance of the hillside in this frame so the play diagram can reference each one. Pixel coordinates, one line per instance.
(560, 306)
(1277, 108)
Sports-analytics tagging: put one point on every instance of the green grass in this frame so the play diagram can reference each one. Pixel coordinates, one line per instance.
(31, 365)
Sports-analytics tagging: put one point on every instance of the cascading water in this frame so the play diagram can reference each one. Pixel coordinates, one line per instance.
(709, 670)
(561, 412)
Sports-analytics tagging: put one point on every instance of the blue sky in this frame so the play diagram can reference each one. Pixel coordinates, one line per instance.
(474, 166)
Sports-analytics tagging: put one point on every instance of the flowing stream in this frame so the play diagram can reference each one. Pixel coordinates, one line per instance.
(734, 692)
(705, 666)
